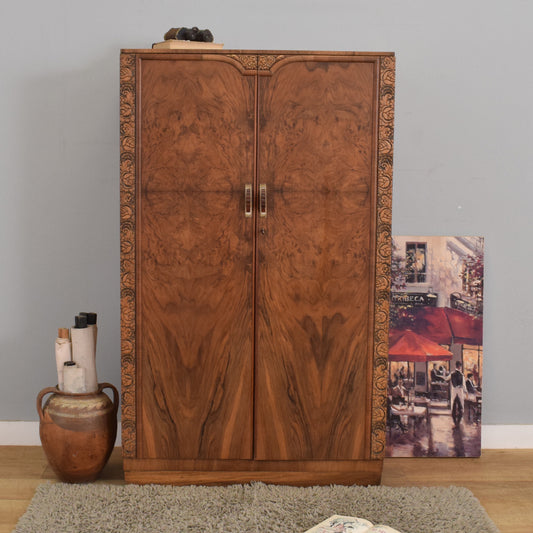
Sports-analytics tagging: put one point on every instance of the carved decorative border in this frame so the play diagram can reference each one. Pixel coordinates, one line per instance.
(127, 250)
(267, 62)
(254, 62)
(249, 62)
(383, 249)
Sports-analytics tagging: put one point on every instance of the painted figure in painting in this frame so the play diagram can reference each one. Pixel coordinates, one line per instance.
(458, 389)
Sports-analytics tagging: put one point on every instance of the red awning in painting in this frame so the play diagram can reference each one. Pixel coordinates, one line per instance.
(394, 335)
(466, 329)
(409, 346)
(444, 325)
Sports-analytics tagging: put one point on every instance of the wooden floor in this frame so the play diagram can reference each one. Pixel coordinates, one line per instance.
(502, 480)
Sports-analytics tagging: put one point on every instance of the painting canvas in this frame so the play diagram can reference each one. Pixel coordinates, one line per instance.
(435, 380)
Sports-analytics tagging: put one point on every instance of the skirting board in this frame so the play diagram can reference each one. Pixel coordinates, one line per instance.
(14, 433)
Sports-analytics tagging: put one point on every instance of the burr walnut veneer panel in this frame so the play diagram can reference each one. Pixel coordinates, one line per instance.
(194, 261)
(314, 297)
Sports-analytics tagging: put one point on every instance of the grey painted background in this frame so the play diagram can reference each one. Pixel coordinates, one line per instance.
(463, 158)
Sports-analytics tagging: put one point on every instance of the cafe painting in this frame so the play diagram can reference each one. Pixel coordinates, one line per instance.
(435, 379)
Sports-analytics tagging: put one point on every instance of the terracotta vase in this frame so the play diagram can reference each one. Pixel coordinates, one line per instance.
(78, 431)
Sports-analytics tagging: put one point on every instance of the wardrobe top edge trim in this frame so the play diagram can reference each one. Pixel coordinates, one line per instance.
(223, 51)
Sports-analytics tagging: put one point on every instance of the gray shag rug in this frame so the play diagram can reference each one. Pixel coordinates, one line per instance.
(254, 508)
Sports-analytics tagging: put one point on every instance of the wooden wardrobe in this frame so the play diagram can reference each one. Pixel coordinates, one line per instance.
(255, 256)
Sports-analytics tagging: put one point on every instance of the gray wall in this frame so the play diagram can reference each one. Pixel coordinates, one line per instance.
(462, 157)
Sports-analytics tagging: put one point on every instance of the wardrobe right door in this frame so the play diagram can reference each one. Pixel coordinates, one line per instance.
(316, 177)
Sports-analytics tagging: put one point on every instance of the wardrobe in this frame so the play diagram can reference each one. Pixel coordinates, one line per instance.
(255, 256)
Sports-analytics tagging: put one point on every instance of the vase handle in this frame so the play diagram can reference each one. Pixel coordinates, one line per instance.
(40, 396)
(115, 394)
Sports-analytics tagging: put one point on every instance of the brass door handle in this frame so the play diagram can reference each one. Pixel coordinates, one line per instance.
(262, 200)
(248, 204)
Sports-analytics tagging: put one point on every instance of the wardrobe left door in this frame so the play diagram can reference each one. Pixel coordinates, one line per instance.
(194, 264)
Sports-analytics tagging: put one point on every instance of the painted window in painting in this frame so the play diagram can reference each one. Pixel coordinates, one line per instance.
(415, 262)
(473, 364)
(472, 276)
